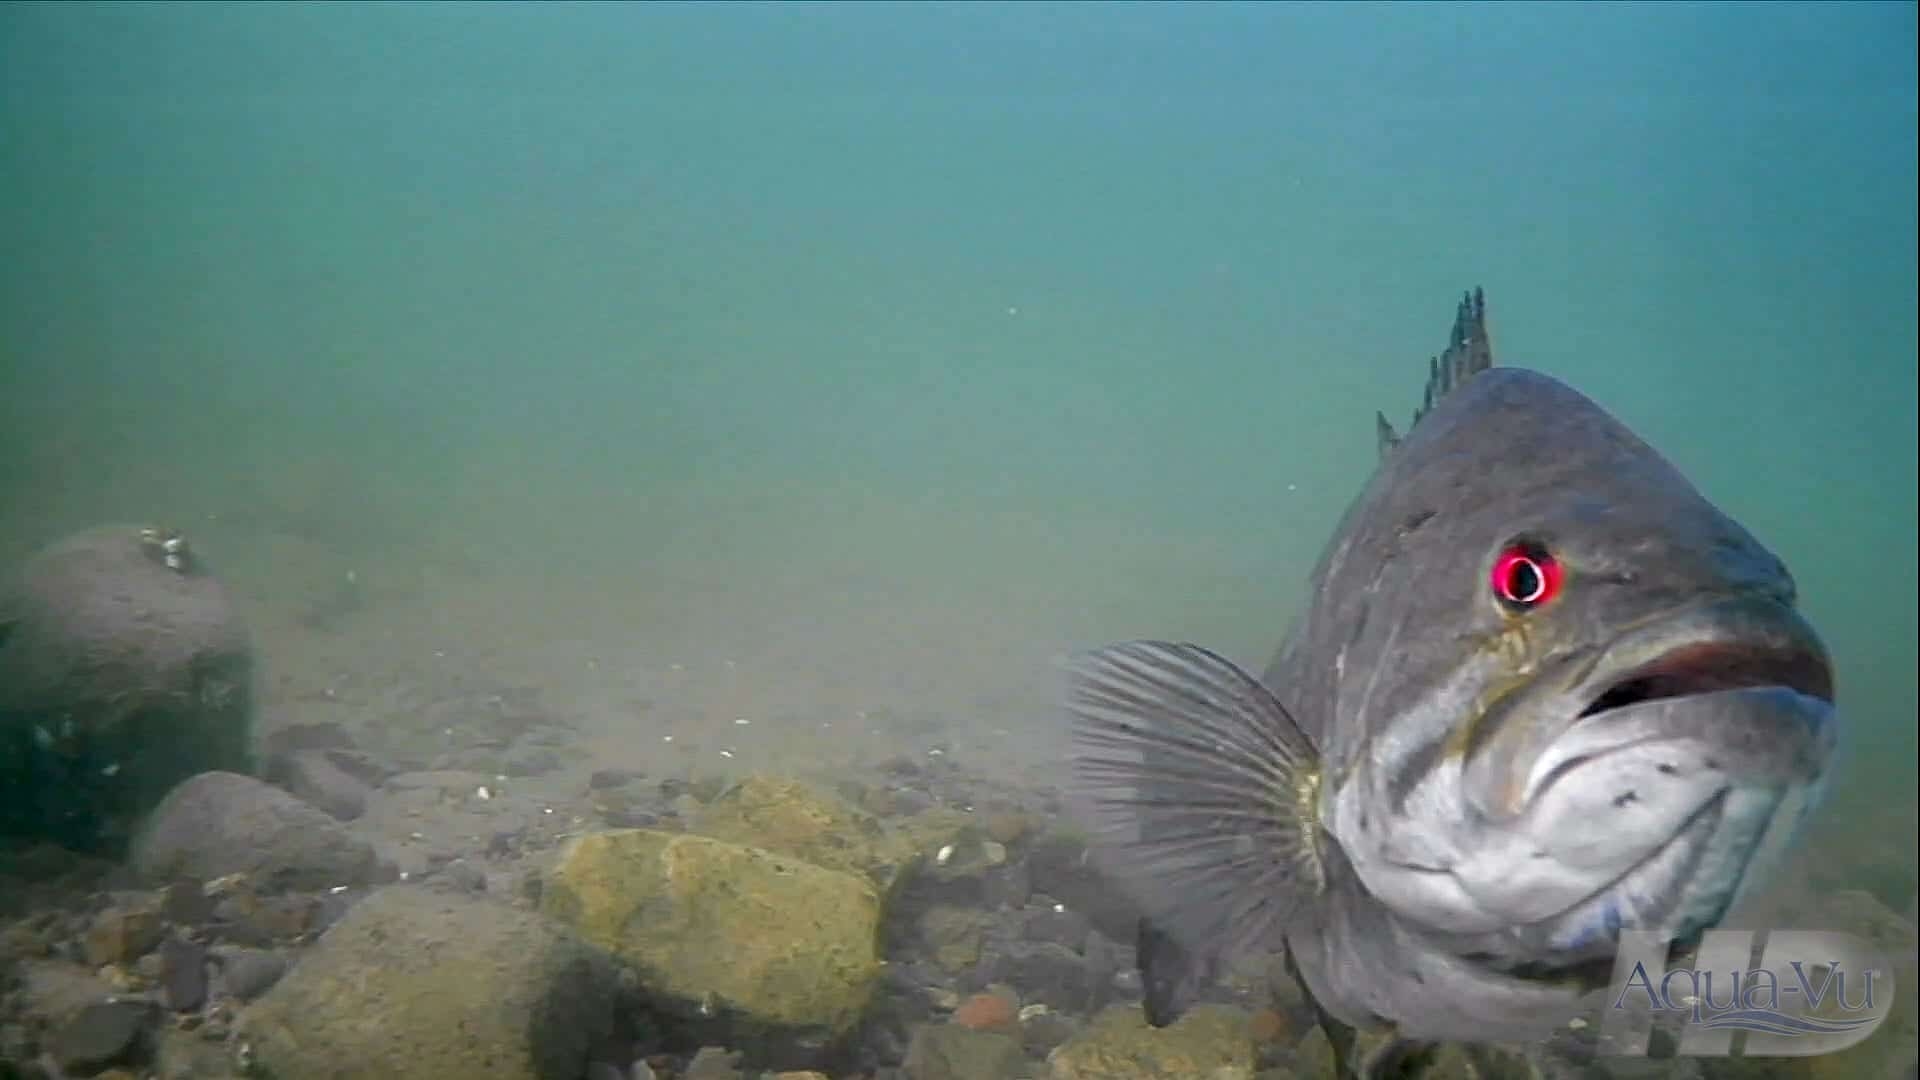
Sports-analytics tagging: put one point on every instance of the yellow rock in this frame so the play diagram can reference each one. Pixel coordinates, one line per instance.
(774, 941)
(121, 935)
(792, 817)
(1211, 1042)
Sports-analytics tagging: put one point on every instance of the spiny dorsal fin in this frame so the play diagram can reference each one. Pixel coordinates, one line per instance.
(1469, 352)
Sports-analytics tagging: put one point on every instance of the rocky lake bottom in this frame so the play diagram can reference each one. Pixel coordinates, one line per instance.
(445, 863)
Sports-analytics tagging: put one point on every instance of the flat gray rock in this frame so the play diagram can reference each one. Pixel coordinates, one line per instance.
(221, 823)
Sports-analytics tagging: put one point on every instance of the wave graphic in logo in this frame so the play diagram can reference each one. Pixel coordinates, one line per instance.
(1779, 1023)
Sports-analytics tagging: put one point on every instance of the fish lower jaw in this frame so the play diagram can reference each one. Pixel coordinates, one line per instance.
(1491, 979)
(1690, 884)
(1445, 867)
(1626, 795)
(1543, 903)
(1685, 887)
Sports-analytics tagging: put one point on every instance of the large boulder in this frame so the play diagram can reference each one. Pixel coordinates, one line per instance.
(124, 669)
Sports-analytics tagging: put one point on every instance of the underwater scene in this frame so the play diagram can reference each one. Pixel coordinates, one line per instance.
(959, 541)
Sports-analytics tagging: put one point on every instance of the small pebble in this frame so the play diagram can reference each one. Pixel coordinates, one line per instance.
(185, 903)
(988, 1012)
(183, 974)
(248, 973)
(102, 1034)
(713, 1063)
(462, 876)
(1009, 827)
(121, 935)
(603, 779)
(1267, 1026)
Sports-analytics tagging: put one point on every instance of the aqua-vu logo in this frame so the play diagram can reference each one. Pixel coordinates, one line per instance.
(1789, 993)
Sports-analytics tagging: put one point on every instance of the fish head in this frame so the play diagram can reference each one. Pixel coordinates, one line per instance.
(1571, 695)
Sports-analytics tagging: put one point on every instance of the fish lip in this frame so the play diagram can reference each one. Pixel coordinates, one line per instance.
(1747, 642)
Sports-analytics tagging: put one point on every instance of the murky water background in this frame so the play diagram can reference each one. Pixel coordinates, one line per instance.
(849, 363)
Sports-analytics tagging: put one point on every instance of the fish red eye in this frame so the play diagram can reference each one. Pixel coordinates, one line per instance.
(1525, 576)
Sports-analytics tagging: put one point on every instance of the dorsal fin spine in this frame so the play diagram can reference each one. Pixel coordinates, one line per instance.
(1469, 352)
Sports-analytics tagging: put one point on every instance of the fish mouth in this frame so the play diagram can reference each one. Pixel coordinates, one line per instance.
(1716, 674)
(1705, 667)
(1687, 675)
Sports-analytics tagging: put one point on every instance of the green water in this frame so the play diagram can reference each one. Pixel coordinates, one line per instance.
(941, 338)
